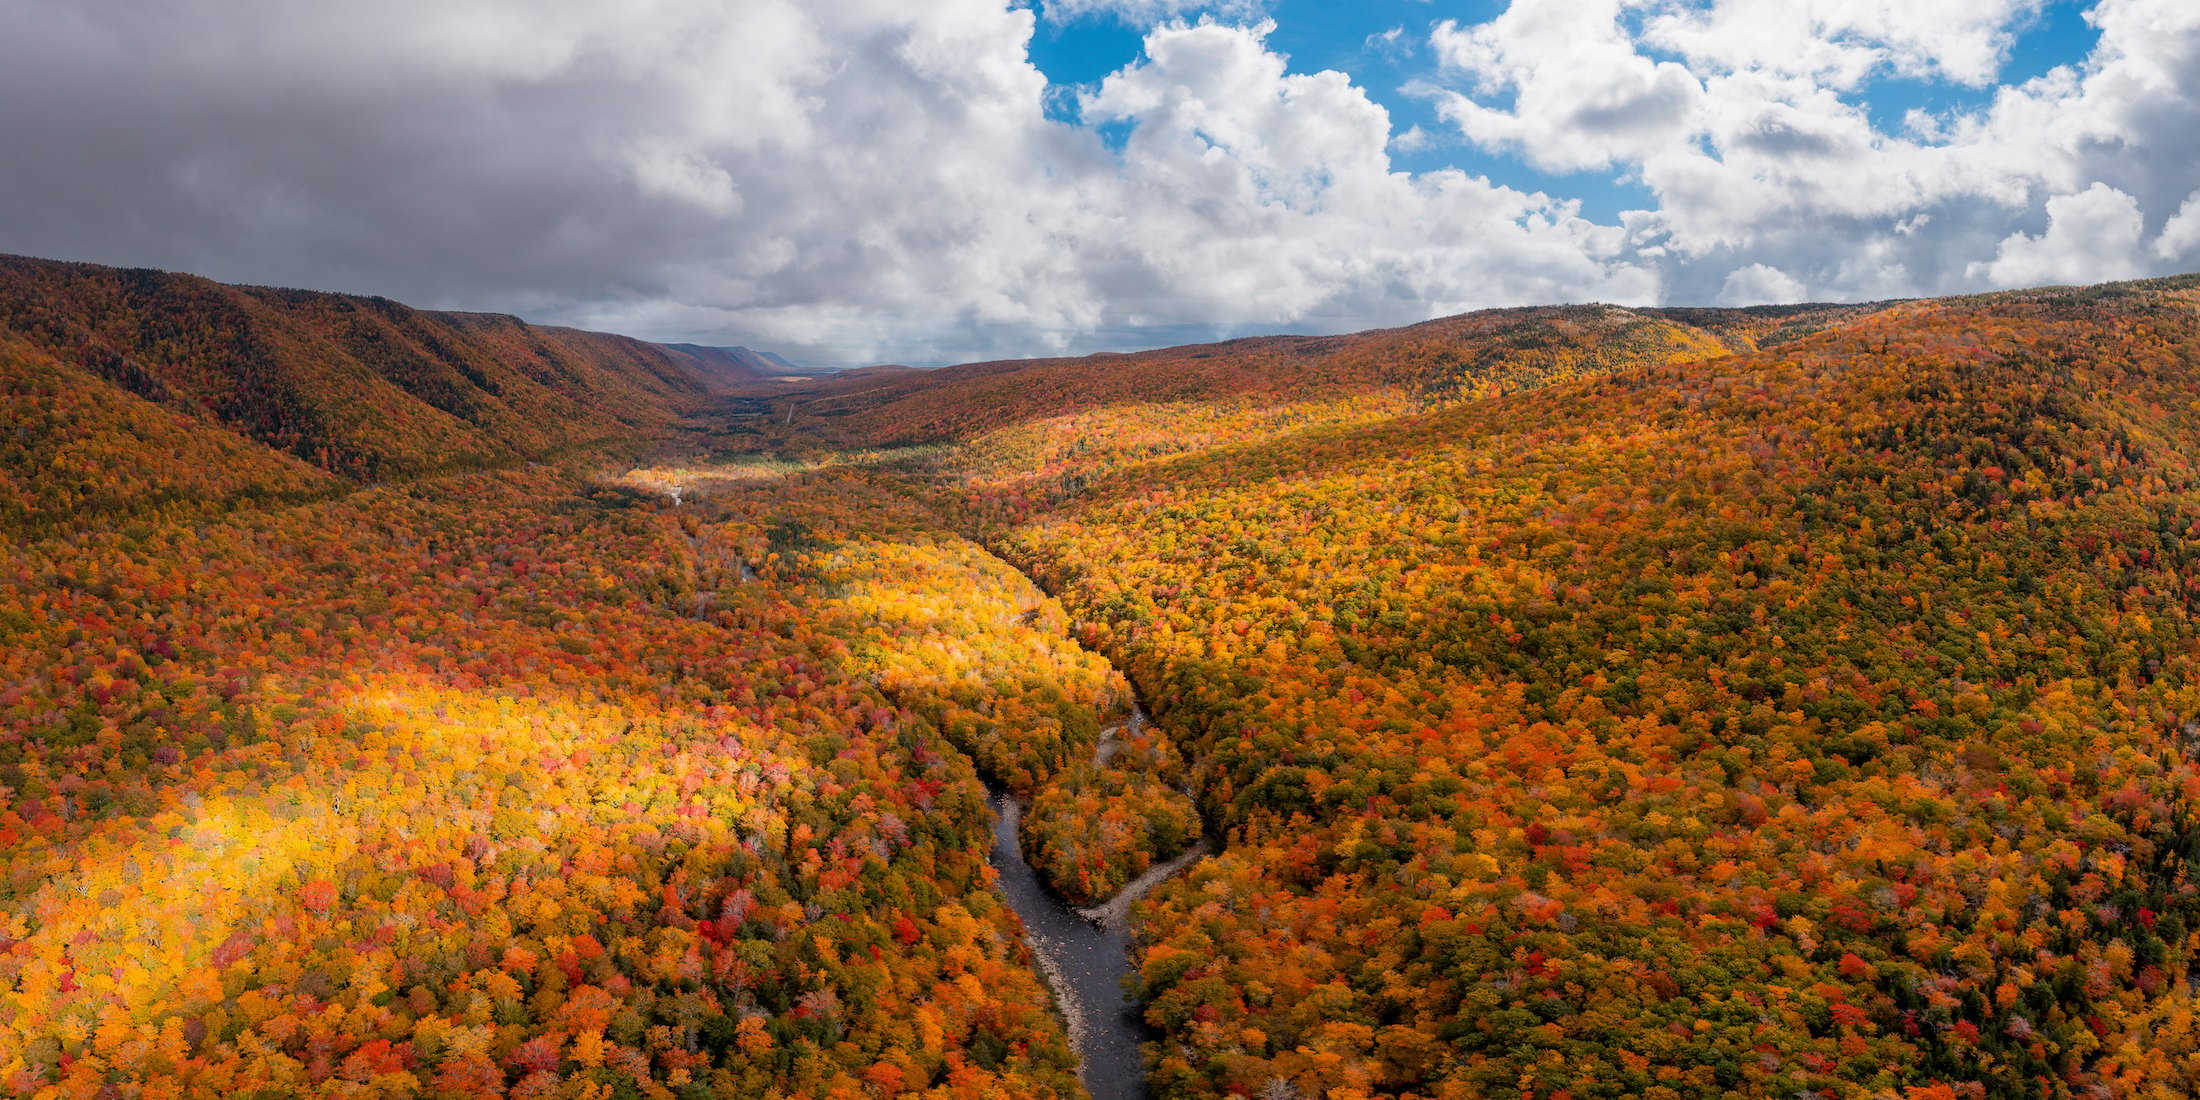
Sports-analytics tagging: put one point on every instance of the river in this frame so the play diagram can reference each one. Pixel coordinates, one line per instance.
(1083, 962)
(1085, 953)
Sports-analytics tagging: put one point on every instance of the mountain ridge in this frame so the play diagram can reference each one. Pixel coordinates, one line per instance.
(362, 388)
(742, 361)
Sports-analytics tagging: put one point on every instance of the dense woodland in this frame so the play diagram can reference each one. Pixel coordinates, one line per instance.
(503, 782)
(131, 388)
(1813, 718)
(1588, 702)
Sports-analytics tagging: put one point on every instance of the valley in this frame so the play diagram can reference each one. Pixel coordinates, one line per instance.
(1559, 703)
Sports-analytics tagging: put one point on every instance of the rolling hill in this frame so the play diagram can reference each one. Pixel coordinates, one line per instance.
(1812, 718)
(1457, 358)
(363, 389)
(1577, 702)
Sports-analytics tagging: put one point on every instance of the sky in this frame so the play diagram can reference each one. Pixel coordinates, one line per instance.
(931, 181)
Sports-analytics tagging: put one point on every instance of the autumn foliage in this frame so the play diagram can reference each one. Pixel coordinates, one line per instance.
(1585, 702)
(143, 388)
(499, 785)
(1810, 719)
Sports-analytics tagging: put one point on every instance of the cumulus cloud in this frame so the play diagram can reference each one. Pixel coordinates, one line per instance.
(1582, 95)
(2180, 238)
(1148, 13)
(1759, 285)
(1262, 195)
(801, 171)
(1839, 42)
(1747, 120)
(842, 179)
(2091, 236)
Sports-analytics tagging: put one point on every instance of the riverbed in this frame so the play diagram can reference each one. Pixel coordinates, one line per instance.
(1084, 963)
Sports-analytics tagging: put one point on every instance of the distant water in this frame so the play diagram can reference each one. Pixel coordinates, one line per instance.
(1085, 964)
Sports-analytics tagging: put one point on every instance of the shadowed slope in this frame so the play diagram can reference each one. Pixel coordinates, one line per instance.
(362, 387)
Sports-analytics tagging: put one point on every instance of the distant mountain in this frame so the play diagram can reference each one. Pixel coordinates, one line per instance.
(745, 363)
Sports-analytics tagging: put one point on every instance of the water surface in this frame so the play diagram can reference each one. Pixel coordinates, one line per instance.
(1083, 962)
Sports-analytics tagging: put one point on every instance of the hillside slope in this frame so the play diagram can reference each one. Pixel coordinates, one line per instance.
(498, 782)
(1042, 429)
(1586, 703)
(1814, 719)
(513, 784)
(363, 388)
(1470, 356)
(75, 447)
(737, 362)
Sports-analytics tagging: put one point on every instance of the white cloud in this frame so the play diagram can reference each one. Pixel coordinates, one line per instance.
(1758, 285)
(1262, 197)
(2180, 240)
(1839, 42)
(840, 179)
(1149, 13)
(2091, 236)
(1746, 119)
(857, 179)
(1393, 42)
(1583, 97)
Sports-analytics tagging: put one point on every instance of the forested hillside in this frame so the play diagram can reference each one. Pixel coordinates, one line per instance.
(363, 389)
(1582, 702)
(75, 447)
(1817, 719)
(504, 784)
(1041, 428)
(1469, 356)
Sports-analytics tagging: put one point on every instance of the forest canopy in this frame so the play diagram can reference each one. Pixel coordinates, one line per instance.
(1577, 702)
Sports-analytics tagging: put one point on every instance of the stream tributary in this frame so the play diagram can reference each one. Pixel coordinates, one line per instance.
(1084, 953)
